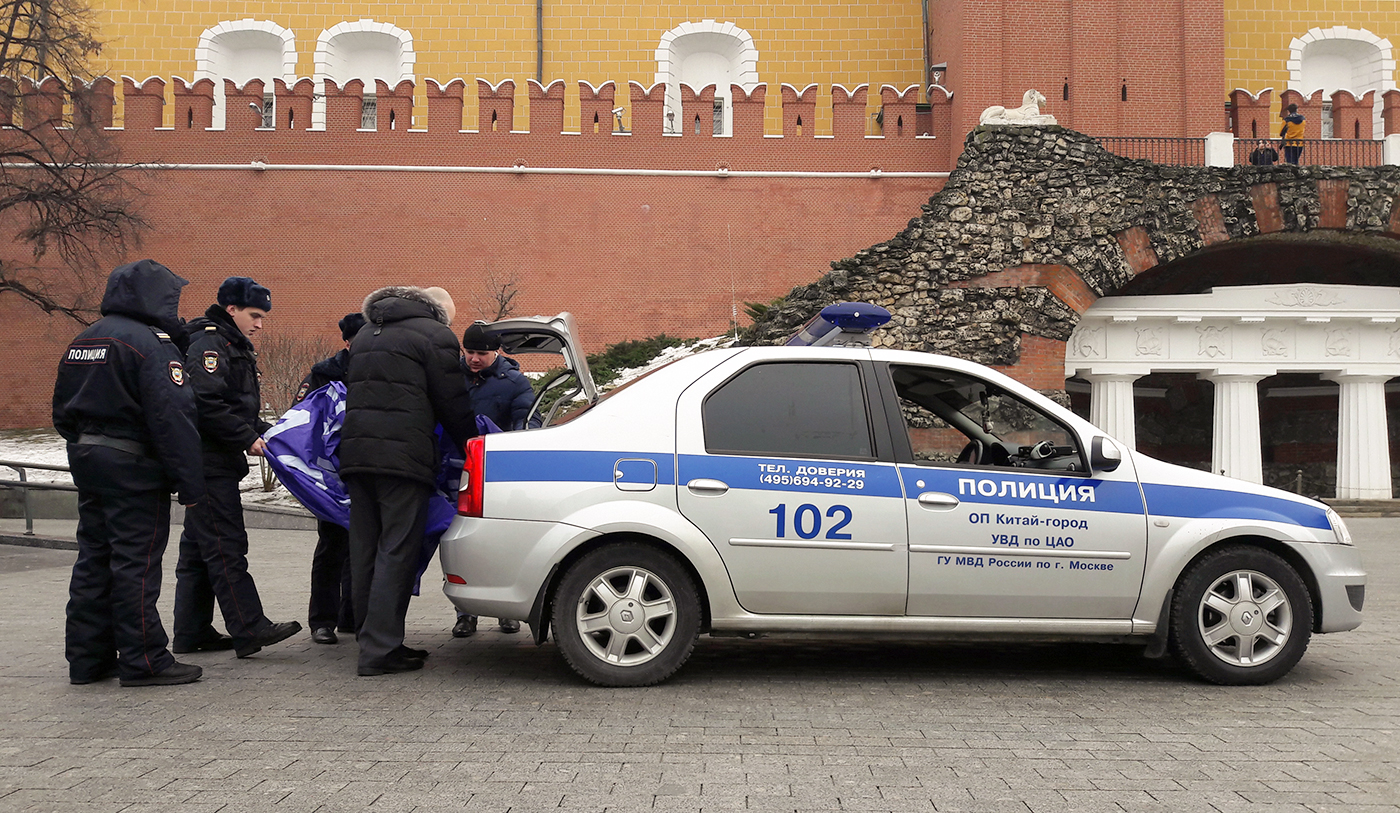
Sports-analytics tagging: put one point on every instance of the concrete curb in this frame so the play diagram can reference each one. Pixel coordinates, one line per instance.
(38, 542)
(260, 517)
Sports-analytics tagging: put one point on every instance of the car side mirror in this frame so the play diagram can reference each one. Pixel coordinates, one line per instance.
(1104, 454)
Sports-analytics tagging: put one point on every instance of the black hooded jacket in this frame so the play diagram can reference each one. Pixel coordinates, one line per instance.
(404, 380)
(123, 378)
(322, 373)
(223, 369)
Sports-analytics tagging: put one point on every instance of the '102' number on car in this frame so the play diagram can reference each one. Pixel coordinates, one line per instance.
(807, 521)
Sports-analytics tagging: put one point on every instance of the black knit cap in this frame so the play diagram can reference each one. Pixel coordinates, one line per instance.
(243, 292)
(479, 339)
(350, 325)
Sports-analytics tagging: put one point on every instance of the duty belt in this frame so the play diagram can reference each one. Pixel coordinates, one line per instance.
(120, 444)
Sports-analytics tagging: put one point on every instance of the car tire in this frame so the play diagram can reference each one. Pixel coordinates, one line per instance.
(1241, 616)
(626, 615)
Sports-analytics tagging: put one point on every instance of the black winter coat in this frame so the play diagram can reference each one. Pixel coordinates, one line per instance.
(404, 380)
(322, 373)
(223, 368)
(501, 392)
(122, 378)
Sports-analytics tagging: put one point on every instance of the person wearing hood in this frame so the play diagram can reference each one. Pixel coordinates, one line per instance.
(122, 403)
(501, 392)
(330, 609)
(405, 380)
(222, 368)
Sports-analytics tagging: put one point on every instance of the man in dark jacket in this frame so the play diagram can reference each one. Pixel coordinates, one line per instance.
(502, 393)
(222, 368)
(404, 380)
(331, 607)
(122, 403)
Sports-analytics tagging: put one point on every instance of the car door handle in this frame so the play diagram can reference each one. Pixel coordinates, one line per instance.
(938, 501)
(707, 488)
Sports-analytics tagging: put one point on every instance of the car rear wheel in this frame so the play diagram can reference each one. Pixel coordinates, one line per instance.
(626, 615)
(1241, 616)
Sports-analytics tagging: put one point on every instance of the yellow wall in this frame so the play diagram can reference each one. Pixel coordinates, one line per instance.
(824, 41)
(1258, 33)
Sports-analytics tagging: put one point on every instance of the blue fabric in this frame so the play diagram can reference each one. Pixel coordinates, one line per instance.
(302, 451)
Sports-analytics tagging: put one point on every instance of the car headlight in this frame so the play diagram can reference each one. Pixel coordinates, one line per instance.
(1338, 527)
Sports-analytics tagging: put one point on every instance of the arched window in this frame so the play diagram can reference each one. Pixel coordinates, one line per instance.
(242, 50)
(706, 53)
(1341, 58)
(364, 50)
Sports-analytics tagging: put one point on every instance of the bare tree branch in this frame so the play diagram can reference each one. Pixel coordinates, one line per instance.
(63, 188)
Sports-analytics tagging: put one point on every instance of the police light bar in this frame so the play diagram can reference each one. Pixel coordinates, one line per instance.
(842, 323)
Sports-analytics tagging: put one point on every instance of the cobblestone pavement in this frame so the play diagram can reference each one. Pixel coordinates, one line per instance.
(495, 724)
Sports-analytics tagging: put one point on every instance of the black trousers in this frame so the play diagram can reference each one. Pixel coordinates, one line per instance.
(214, 565)
(112, 617)
(331, 604)
(387, 515)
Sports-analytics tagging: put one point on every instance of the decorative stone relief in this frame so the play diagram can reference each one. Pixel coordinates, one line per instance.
(1339, 343)
(1027, 114)
(1394, 347)
(1274, 342)
(1149, 341)
(1306, 297)
(1086, 342)
(1213, 341)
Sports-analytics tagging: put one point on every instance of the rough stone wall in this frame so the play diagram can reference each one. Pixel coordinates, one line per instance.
(1023, 196)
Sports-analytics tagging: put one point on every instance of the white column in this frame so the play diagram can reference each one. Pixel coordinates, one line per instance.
(1111, 405)
(1235, 448)
(1220, 149)
(1363, 445)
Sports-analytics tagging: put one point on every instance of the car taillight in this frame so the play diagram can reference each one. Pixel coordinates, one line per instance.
(473, 480)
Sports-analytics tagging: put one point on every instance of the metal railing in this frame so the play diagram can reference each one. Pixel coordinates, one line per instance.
(1331, 152)
(24, 485)
(1327, 152)
(1180, 151)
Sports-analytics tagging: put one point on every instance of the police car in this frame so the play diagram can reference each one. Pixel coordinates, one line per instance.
(822, 488)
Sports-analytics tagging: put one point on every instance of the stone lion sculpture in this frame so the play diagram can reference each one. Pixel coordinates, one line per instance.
(1027, 114)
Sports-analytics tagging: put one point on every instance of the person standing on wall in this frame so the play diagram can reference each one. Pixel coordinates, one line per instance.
(1291, 134)
(222, 369)
(331, 609)
(122, 403)
(405, 379)
(502, 393)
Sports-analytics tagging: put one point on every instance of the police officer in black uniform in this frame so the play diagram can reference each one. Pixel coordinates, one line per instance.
(122, 403)
(331, 608)
(221, 366)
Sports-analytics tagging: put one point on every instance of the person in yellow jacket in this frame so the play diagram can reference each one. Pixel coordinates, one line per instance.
(1292, 134)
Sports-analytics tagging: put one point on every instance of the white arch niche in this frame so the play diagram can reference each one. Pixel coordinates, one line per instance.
(364, 50)
(700, 54)
(242, 50)
(1342, 58)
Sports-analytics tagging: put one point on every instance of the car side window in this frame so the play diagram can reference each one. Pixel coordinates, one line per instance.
(955, 418)
(791, 409)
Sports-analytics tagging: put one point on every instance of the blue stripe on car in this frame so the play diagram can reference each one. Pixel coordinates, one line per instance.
(1192, 502)
(570, 467)
(861, 478)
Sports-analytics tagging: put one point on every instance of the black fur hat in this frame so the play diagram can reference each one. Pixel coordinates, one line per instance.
(477, 338)
(351, 325)
(243, 292)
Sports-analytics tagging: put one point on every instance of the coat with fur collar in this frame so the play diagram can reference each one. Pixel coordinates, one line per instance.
(403, 380)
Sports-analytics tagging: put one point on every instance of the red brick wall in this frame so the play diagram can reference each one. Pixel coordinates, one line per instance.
(629, 256)
(1170, 55)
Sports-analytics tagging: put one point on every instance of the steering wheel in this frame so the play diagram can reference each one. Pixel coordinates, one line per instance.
(972, 453)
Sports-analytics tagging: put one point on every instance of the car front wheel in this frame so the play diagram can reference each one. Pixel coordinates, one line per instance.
(626, 615)
(1241, 616)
